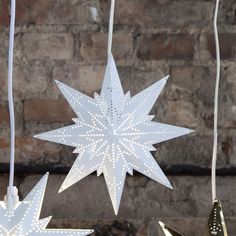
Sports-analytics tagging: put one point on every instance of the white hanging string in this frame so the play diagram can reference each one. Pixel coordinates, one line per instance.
(214, 156)
(111, 23)
(10, 95)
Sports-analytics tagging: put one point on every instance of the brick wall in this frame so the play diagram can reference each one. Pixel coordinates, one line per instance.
(58, 39)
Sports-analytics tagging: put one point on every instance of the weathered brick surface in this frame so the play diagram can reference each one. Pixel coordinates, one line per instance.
(4, 119)
(94, 46)
(227, 45)
(156, 47)
(36, 46)
(227, 12)
(57, 12)
(4, 115)
(38, 110)
(4, 43)
(159, 12)
(87, 79)
(22, 12)
(67, 41)
(29, 80)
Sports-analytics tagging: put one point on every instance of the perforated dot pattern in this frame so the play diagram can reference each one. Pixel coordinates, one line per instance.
(113, 133)
(23, 218)
(216, 222)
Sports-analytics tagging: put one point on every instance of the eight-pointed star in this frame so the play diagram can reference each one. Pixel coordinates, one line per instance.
(113, 133)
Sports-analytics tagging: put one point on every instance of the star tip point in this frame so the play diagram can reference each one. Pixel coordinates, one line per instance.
(161, 223)
(116, 209)
(58, 83)
(167, 77)
(45, 177)
(61, 190)
(170, 186)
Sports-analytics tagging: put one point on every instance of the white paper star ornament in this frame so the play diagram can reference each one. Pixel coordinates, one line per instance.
(113, 133)
(22, 218)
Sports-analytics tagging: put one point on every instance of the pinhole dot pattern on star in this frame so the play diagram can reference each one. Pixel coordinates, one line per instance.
(113, 133)
(23, 219)
(216, 222)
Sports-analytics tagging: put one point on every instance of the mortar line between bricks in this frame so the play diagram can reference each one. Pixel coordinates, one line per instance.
(175, 170)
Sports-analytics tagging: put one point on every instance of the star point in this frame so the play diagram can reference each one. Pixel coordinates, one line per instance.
(168, 231)
(216, 221)
(113, 133)
(22, 218)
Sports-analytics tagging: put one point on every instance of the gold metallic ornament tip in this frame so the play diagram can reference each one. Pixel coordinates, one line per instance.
(169, 231)
(216, 222)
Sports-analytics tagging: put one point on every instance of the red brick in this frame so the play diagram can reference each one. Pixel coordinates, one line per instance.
(53, 46)
(3, 186)
(86, 79)
(40, 10)
(190, 82)
(3, 80)
(4, 144)
(4, 115)
(166, 46)
(48, 111)
(227, 45)
(159, 12)
(29, 149)
(61, 12)
(227, 12)
(94, 46)
(20, 142)
(4, 13)
(22, 12)
(28, 80)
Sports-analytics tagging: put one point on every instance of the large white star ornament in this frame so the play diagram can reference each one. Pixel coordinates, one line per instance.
(113, 133)
(22, 217)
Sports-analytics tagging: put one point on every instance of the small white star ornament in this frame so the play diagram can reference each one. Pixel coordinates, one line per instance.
(21, 218)
(113, 133)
